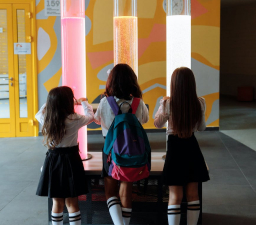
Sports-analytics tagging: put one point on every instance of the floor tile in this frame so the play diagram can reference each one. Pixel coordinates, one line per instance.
(228, 177)
(218, 194)
(26, 208)
(229, 215)
(9, 190)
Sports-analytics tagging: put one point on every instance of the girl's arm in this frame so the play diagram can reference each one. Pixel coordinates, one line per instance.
(202, 124)
(97, 116)
(161, 116)
(40, 114)
(145, 117)
(88, 116)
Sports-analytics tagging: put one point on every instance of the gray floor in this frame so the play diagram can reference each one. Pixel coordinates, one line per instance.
(238, 120)
(229, 198)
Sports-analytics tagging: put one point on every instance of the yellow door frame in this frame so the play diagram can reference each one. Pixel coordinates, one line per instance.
(34, 92)
(24, 126)
(9, 122)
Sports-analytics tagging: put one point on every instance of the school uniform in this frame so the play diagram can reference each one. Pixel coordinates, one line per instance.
(184, 160)
(104, 116)
(63, 173)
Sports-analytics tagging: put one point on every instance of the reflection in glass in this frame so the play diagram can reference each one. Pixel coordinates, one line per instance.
(22, 65)
(4, 76)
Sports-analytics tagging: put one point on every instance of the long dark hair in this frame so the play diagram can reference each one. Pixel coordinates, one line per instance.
(59, 105)
(122, 83)
(185, 105)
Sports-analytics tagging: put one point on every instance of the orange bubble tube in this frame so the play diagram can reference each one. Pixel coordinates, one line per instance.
(126, 33)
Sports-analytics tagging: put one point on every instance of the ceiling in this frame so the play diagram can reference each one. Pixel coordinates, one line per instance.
(225, 3)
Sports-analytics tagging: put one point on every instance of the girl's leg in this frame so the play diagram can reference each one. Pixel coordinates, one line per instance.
(174, 210)
(57, 211)
(193, 208)
(125, 193)
(73, 211)
(111, 192)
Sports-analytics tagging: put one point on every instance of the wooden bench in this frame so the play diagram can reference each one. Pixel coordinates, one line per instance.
(150, 197)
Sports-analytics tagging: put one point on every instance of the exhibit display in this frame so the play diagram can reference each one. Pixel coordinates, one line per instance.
(73, 57)
(178, 37)
(126, 33)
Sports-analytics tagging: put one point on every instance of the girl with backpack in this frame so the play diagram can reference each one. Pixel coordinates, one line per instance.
(62, 177)
(184, 165)
(122, 85)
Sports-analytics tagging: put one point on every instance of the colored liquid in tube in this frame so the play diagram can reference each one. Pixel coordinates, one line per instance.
(73, 66)
(126, 41)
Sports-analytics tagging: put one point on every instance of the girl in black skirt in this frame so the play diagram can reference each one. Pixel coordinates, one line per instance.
(122, 83)
(184, 164)
(63, 177)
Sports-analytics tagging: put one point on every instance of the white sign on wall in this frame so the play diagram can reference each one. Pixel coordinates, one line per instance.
(22, 48)
(52, 7)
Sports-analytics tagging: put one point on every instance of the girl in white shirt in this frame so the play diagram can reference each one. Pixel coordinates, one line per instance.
(184, 164)
(63, 177)
(123, 85)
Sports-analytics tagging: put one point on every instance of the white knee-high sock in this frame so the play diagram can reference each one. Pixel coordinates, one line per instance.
(115, 211)
(174, 212)
(126, 212)
(57, 218)
(75, 218)
(193, 211)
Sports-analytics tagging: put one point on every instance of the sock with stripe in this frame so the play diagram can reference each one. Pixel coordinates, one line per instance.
(126, 212)
(57, 218)
(115, 211)
(174, 212)
(193, 211)
(75, 218)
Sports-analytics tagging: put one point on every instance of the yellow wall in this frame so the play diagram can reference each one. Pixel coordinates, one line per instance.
(152, 53)
(206, 54)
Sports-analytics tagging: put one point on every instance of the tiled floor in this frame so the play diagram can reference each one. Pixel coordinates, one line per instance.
(229, 198)
(238, 120)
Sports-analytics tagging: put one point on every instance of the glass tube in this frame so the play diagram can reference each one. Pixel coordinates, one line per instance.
(126, 33)
(178, 37)
(73, 57)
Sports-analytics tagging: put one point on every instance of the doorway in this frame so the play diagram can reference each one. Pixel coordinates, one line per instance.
(238, 71)
(18, 97)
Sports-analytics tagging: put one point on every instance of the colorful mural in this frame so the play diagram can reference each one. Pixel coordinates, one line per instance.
(152, 51)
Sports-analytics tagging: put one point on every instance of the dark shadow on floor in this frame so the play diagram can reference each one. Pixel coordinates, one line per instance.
(216, 219)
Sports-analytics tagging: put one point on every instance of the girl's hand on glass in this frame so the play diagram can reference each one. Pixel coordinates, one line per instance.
(80, 100)
(166, 98)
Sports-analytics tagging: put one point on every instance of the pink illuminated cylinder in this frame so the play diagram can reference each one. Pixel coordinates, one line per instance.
(126, 33)
(73, 56)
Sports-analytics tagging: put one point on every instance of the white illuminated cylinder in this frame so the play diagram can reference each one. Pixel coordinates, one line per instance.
(178, 37)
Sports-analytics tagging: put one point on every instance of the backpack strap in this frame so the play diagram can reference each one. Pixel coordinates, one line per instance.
(135, 104)
(113, 105)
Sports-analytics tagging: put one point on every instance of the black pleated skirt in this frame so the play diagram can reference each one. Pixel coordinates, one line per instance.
(63, 174)
(184, 162)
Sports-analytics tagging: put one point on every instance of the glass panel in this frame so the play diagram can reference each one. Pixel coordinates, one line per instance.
(4, 76)
(22, 64)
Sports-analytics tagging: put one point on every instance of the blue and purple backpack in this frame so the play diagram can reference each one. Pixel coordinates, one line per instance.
(127, 144)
